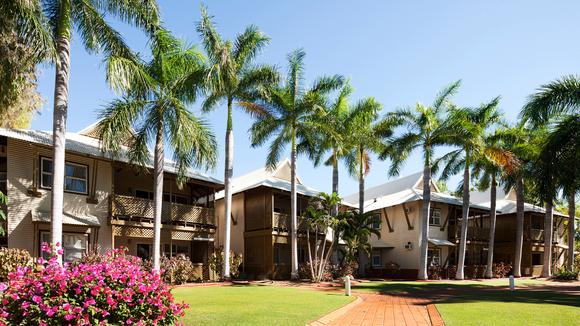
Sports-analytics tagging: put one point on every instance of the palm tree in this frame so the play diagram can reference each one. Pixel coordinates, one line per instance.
(285, 115)
(331, 125)
(550, 105)
(355, 230)
(232, 76)
(96, 35)
(154, 104)
(470, 126)
(367, 137)
(426, 129)
(489, 173)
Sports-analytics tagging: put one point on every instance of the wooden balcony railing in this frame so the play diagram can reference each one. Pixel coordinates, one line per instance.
(473, 233)
(127, 207)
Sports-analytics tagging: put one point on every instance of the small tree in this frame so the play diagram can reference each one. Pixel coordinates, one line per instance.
(355, 229)
(320, 221)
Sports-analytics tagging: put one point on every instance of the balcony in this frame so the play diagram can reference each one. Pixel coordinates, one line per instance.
(135, 209)
(473, 233)
(281, 223)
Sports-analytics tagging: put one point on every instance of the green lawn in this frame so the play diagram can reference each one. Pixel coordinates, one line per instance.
(256, 305)
(485, 303)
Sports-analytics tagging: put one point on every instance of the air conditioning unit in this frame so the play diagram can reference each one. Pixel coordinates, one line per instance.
(409, 245)
(409, 210)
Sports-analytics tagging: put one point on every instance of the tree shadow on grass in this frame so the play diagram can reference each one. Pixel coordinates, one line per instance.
(462, 292)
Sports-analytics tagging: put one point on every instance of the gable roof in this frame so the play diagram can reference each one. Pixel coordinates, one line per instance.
(87, 145)
(505, 202)
(403, 190)
(278, 178)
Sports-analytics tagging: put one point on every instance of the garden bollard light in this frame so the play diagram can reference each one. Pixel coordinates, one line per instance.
(347, 286)
(512, 283)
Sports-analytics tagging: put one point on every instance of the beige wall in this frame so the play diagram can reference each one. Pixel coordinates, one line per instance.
(22, 156)
(401, 235)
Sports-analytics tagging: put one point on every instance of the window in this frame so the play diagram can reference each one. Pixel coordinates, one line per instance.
(434, 256)
(179, 199)
(376, 221)
(75, 176)
(376, 259)
(144, 194)
(74, 245)
(435, 217)
(537, 258)
(176, 250)
(144, 250)
(277, 254)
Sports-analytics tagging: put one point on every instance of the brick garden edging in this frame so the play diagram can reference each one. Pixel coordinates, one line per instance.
(434, 315)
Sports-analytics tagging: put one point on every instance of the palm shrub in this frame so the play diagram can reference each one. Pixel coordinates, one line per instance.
(285, 113)
(355, 230)
(231, 76)
(154, 109)
(320, 221)
(217, 258)
(425, 129)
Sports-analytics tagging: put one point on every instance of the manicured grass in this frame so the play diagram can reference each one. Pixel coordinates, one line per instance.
(486, 303)
(256, 305)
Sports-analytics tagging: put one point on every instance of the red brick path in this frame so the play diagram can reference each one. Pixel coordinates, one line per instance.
(377, 309)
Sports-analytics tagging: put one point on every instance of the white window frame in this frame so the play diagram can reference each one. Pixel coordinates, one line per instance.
(174, 250)
(84, 166)
(433, 216)
(45, 237)
(377, 219)
(376, 254)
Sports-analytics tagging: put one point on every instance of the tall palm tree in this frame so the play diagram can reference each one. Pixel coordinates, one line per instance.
(489, 173)
(368, 136)
(96, 35)
(550, 105)
(154, 104)
(426, 130)
(285, 115)
(331, 125)
(232, 77)
(470, 126)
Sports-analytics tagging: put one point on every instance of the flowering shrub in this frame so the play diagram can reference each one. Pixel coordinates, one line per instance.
(216, 262)
(178, 270)
(112, 289)
(10, 259)
(305, 273)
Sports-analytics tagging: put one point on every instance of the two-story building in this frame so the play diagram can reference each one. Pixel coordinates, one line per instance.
(107, 202)
(260, 220)
(398, 204)
(533, 245)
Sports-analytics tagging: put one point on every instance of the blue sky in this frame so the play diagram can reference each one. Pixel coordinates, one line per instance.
(400, 52)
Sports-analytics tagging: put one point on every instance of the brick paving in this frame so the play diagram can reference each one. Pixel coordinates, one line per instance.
(378, 309)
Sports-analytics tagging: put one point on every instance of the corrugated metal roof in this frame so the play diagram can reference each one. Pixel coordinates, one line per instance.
(91, 146)
(268, 178)
(505, 205)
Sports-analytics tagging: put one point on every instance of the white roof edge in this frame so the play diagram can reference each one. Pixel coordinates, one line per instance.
(81, 144)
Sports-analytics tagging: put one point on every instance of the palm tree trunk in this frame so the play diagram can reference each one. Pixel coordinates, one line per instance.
(361, 182)
(517, 269)
(492, 215)
(158, 197)
(59, 125)
(228, 173)
(313, 275)
(548, 234)
(293, 212)
(464, 221)
(335, 180)
(424, 239)
(571, 219)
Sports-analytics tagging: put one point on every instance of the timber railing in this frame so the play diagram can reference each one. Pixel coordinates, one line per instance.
(133, 208)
